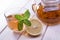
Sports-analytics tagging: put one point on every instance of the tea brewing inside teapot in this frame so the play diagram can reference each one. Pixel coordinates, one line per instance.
(49, 14)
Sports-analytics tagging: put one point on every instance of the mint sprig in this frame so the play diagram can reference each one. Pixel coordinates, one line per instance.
(23, 19)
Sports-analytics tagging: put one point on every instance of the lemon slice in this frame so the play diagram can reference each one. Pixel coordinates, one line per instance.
(35, 29)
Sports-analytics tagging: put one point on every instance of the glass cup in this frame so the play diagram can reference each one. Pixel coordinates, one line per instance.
(48, 11)
(12, 22)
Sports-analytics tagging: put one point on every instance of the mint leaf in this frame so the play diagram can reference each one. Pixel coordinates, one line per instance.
(26, 14)
(23, 19)
(27, 22)
(20, 25)
(18, 17)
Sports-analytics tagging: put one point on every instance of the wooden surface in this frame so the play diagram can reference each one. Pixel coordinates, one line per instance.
(50, 33)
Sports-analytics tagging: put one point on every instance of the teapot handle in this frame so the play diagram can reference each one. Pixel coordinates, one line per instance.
(34, 8)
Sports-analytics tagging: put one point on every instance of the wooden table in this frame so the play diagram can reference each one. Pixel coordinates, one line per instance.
(48, 33)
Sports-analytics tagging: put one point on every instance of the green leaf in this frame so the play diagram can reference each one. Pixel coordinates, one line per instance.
(18, 17)
(27, 22)
(26, 14)
(23, 19)
(20, 25)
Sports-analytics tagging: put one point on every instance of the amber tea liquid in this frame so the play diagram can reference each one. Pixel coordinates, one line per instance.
(12, 22)
(49, 15)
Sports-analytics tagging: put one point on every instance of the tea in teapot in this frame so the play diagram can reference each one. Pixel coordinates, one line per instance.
(50, 15)
(48, 12)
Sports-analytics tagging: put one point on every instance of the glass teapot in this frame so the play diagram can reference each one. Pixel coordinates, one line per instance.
(48, 11)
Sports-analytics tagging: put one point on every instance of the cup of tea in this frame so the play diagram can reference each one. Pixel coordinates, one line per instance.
(16, 19)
